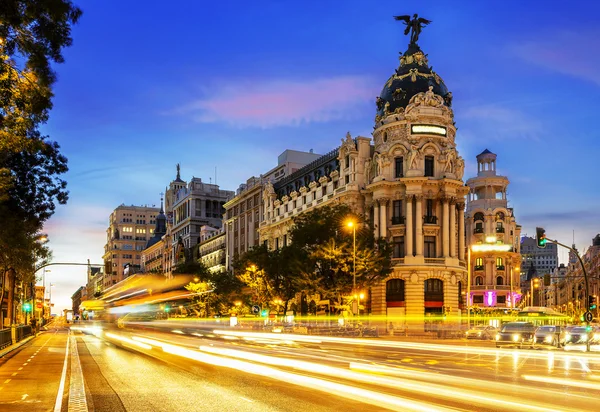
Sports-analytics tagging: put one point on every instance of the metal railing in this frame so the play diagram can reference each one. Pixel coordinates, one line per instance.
(431, 220)
(5, 338)
(22, 332)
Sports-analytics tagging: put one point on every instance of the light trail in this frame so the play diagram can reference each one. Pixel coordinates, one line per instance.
(442, 391)
(427, 347)
(563, 382)
(129, 341)
(332, 388)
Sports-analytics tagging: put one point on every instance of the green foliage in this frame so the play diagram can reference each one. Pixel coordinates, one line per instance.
(319, 259)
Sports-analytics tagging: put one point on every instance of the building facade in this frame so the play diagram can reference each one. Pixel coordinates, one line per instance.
(543, 260)
(153, 253)
(211, 249)
(78, 297)
(407, 181)
(129, 228)
(495, 277)
(244, 212)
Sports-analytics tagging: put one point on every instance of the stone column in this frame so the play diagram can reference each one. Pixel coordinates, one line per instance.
(453, 227)
(376, 218)
(461, 231)
(409, 226)
(383, 217)
(445, 227)
(419, 225)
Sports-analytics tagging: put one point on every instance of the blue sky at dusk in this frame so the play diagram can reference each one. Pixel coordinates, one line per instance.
(232, 84)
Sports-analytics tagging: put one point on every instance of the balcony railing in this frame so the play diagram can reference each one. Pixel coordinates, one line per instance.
(478, 268)
(397, 220)
(499, 230)
(499, 267)
(478, 230)
(430, 220)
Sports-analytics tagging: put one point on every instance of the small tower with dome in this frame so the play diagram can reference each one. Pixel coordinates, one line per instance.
(489, 220)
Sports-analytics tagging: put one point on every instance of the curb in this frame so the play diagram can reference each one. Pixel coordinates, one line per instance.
(17, 345)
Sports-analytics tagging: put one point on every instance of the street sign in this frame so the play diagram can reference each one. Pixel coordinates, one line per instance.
(588, 317)
(255, 309)
(38, 305)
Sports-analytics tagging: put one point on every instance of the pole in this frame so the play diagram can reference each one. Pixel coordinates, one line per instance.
(469, 288)
(512, 296)
(354, 258)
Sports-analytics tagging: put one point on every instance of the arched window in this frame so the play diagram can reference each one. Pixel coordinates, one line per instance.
(434, 290)
(479, 281)
(394, 290)
(499, 281)
(479, 264)
(478, 216)
(499, 263)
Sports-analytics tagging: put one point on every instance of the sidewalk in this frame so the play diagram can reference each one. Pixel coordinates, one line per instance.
(17, 345)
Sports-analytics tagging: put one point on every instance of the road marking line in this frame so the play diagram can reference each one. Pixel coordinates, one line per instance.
(61, 387)
(6, 381)
(24, 396)
(14, 374)
(25, 364)
(20, 369)
(77, 400)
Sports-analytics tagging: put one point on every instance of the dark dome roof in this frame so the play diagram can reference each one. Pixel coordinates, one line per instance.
(412, 77)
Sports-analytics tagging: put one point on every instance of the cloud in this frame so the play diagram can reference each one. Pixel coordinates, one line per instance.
(564, 52)
(282, 102)
(501, 122)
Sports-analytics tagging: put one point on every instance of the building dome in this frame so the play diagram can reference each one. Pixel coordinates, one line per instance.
(412, 77)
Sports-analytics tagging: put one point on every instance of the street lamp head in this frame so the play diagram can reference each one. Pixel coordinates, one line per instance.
(350, 223)
(253, 268)
(196, 280)
(238, 303)
(362, 295)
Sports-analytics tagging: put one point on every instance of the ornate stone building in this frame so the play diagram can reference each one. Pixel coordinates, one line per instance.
(491, 221)
(407, 181)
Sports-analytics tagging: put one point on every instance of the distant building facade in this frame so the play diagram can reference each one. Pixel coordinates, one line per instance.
(129, 228)
(489, 220)
(78, 297)
(211, 249)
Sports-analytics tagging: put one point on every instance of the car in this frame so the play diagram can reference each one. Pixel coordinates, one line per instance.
(550, 336)
(481, 332)
(519, 334)
(579, 335)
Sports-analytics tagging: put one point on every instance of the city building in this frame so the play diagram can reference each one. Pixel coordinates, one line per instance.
(211, 249)
(95, 280)
(40, 310)
(544, 260)
(495, 280)
(153, 254)
(129, 228)
(243, 213)
(407, 180)
(78, 297)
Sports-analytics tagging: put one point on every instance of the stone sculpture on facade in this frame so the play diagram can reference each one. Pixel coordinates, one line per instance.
(414, 156)
(449, 163)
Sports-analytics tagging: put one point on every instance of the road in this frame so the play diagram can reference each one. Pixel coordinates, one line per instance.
(183, 370)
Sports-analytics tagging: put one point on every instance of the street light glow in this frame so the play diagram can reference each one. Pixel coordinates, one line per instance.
(350, 224)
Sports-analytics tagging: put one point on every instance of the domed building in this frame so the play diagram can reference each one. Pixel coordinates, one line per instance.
(495, 279)
(407, 182)
(415, 195)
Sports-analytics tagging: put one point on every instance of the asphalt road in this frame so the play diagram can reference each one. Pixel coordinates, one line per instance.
(142, 370)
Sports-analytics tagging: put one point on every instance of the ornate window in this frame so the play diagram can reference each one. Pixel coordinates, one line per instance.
(429, 250)
(478, 216)
(398, 247)
(479, 281)
(434, 290)
(499, 281)
(479, 264)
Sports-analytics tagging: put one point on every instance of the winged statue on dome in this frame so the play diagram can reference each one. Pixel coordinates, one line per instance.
(415, 25)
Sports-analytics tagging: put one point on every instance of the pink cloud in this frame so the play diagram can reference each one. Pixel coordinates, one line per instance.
(283, 102)
(565, 52)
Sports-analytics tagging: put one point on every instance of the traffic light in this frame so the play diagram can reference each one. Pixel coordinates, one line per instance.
(167, 308)
(264, 313)
(540, 237)
(27, 306)
(547, 279)
(536, 283)
(592, 302)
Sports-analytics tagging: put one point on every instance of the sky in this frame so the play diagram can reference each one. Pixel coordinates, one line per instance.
(231, 85)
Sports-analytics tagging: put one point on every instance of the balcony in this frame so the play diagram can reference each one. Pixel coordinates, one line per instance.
(499, 230)
(430, 220)
(500, 268)
(478, 268)
(397, 220)
(478, 230)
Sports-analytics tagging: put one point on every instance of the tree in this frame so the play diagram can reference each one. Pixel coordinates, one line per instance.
(324, 252)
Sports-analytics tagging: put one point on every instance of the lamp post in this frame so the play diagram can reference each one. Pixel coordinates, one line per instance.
(352, 225)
